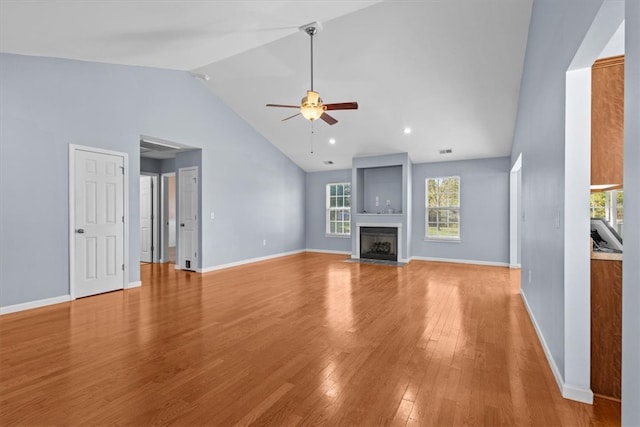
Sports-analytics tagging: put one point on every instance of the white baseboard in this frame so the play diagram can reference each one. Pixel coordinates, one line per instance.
(246, 261)
(461, 261)
(577, 394)
(543, 342)
(568, 391)
(34, 304)
(514, 266)
(324, 251)
(133, 285)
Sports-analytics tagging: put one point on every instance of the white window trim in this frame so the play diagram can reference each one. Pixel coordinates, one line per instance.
(427, 238)
(327, 226)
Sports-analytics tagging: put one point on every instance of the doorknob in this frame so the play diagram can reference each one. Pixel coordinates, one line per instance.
(182, 225)
(80, 231)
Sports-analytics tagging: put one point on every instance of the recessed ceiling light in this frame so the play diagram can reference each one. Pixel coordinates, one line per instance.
(406, 130)
(332, 141)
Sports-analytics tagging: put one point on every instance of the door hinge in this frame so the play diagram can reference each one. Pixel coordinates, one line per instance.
(122, 168)
(195, 254)
(122, 218)
(122, 267)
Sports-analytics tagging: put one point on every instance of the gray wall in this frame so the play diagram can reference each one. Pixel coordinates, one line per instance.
(46, 104)
(150, 165)
(316, 183)
(158, 166)
(555, 33)
(631, 264)
(484, 210)
(484, 214)
(167, 165)
(557, 30)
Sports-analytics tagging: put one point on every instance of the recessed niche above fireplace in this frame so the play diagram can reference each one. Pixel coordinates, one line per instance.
(381, 190)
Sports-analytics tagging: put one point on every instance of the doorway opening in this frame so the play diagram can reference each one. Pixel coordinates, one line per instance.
(161, 237)
(168, 229)
(576, 383)
(149, 242)
(188, 231)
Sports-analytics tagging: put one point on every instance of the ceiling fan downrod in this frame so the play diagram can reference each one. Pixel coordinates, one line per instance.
(312, 32)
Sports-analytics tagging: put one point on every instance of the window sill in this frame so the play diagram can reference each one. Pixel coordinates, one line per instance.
(441, 240)
(339, 236)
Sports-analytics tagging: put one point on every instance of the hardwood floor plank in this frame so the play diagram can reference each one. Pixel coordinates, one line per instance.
(306, 339)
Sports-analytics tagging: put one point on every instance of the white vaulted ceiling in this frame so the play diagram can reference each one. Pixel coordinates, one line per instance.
(448, 69)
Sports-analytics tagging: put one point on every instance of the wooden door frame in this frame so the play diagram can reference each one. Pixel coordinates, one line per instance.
(73, 148)
(155, 223)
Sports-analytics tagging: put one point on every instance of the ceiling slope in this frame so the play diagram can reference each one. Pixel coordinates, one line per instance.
(448, 69)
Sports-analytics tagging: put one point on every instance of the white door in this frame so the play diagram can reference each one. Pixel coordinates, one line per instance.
(188, 217)
(146, 219)
(99, 223)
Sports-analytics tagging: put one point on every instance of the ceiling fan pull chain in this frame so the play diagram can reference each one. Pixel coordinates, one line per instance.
(311, 137)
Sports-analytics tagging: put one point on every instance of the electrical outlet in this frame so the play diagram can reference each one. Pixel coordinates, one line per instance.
(264, 242)
(213, 215)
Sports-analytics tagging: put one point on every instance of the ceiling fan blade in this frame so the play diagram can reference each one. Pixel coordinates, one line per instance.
(291, 117)
(327, 118)
(283, 106)
(342, 106)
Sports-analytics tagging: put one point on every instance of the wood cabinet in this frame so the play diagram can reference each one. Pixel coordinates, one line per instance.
(606, 327)
(607, 121)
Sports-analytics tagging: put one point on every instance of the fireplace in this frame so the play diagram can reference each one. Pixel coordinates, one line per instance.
(379, 243)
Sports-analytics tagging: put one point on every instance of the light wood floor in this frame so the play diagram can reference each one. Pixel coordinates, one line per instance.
(305, 339)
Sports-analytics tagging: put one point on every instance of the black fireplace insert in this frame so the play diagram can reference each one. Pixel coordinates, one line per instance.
(379, 243)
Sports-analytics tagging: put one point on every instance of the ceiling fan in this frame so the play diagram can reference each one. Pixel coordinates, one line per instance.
(311, 107)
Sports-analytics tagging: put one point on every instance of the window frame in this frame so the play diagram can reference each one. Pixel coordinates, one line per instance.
(329, 209)
(441, 238)
(613, 210)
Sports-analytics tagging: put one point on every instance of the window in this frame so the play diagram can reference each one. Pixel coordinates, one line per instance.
(609, 205)
(339, 209)
(443, 208)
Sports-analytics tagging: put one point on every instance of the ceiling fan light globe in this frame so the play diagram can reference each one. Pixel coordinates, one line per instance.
(312, 112)
(311, 106)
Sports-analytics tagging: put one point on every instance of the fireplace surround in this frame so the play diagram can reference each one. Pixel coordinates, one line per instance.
(380, 197)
